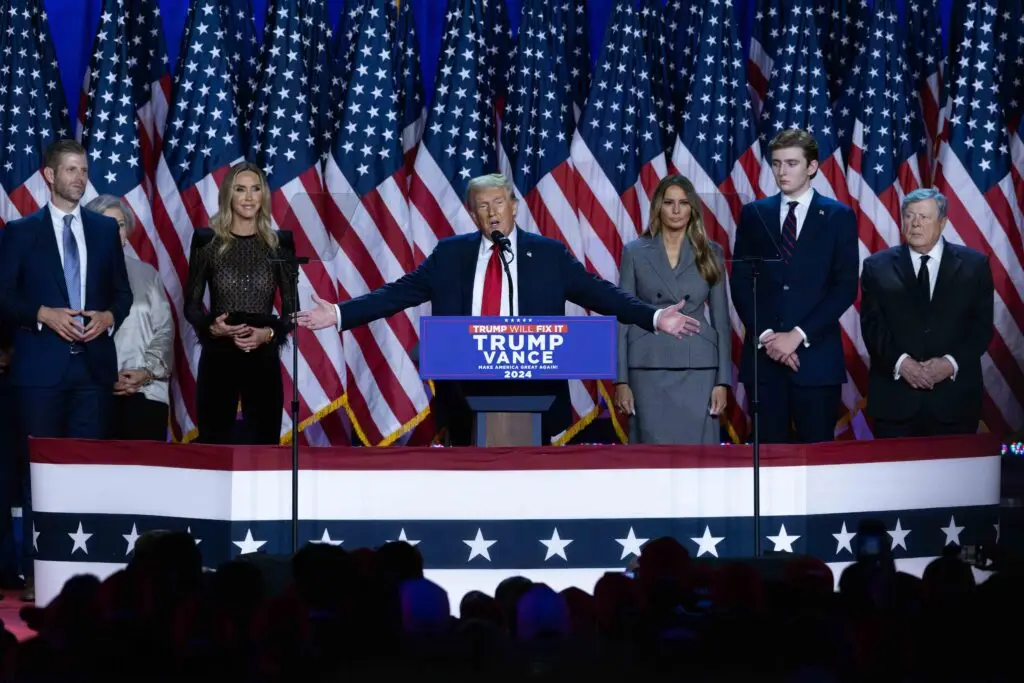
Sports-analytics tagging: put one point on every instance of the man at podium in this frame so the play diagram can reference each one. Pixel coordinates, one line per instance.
(464, 276)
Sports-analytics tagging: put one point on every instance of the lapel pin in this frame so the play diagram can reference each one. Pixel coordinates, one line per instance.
(529, 254)
(821, 212)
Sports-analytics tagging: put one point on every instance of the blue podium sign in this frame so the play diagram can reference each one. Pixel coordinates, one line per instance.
(478, 348)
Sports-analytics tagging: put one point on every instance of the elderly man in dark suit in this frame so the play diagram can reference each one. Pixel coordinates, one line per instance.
(926, 318)
(463, 277)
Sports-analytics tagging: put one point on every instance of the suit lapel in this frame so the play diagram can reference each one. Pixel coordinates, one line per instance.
(949, 264)
(92, 251)
(812, 221)
(48, 246)
(657, 257)
(469, 258)
(771, 220)
(905, 269)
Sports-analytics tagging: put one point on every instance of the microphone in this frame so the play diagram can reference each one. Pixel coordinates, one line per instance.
(499, 238)
(505, 247)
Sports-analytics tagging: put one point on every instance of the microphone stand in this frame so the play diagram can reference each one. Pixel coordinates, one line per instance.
(293, 272)
(505, 246)
(755, 402)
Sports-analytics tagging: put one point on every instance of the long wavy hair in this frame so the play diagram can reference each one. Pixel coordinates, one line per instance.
(704, 255)
(222, 220)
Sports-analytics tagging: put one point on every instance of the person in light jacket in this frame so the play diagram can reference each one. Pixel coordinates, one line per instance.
(674, 390)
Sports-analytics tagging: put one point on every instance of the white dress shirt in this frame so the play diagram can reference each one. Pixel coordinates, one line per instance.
(934, 259)
(803, 205)
(145, 339)
(483, 258)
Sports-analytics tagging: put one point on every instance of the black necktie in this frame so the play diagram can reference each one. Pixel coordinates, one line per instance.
(923, 280)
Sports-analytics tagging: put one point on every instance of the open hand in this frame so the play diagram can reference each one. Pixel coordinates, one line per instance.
(624, 399)
(63, 322)
(322, 315)
(719, 401)
(916, 374)
(99, 322)
(671, 321)
(220, 328)
(937, 369)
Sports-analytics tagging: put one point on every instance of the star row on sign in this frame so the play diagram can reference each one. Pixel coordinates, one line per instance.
(631, 544)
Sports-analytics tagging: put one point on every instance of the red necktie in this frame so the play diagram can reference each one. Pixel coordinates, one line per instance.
(491, 302)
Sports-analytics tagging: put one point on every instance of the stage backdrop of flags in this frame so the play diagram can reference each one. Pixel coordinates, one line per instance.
(367, 167)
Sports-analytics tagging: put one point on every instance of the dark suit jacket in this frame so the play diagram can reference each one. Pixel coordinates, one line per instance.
(817, 287)
(548, 277)
(895, 318)
(31, 276)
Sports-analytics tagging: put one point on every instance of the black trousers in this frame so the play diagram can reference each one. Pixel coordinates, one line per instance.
(137, 418)
(811, 411)
(228, 375)
(923, 425)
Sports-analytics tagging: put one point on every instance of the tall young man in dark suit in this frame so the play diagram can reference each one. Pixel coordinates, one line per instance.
(808, 279)
(463, 276)
(64, 288)
(926, 317)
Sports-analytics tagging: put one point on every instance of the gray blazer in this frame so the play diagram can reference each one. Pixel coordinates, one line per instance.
(646, 274)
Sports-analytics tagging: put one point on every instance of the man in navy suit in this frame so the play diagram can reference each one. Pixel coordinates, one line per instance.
(805, 246)
(463, 276)
(64, 289)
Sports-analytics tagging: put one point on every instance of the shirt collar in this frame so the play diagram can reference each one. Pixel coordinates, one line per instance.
(59, 215)
(935, 253)
(485, 244)
(804, 199)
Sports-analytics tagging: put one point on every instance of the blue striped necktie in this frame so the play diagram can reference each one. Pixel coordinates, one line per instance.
(72, 268)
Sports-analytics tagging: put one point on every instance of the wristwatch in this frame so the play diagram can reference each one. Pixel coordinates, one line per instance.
(271, 337)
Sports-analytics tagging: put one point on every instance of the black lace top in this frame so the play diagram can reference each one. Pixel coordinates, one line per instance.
(242, 280)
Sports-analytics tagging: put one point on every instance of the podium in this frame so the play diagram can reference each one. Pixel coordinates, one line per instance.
(515, 349)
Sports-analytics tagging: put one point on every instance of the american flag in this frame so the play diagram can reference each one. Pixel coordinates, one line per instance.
(472, 527)
(718, 150)
(534, 152)
(658, 46)
(405, 59)
(123, 108)
(201, 141)
(576, 50)
(33, 113)
(682, 26)
(1011, 28)
(767, 36)
(841, 26)
(926, 55)
(458, 141)
(617, 150)
(887, 130)
(243, 48)
(974, 171)
(798, 97)
(365, 175)
(284, 143)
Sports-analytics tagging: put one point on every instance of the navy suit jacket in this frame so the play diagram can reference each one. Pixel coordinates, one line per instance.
(31, 276)
(548, 276)
(818, 286)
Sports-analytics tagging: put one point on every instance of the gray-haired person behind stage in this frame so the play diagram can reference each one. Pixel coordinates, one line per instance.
(144, 343)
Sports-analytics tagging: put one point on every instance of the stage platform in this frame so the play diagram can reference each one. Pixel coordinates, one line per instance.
(560, 515)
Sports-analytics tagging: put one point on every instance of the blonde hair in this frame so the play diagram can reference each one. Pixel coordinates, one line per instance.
(487, 181)
(704, 255)
(221, 221)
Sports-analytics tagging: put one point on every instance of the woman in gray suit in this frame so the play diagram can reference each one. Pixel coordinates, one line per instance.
(675, 389)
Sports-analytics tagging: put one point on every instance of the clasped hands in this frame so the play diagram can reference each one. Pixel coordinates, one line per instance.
(67, 323)
(131, 381)
(925, 375)
(245, 337)
(781, 347)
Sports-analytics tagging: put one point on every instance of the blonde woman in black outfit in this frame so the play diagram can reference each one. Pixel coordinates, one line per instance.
(240, 335)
